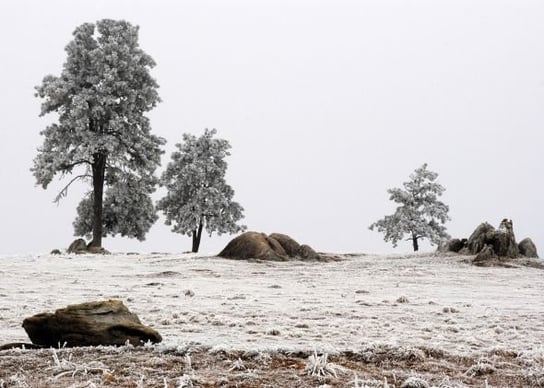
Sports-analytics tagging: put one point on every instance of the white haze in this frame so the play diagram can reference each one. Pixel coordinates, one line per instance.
(327, 104)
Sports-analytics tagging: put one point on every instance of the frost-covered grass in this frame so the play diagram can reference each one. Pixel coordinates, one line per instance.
(63, 367)
(319, 366)
(365, 316)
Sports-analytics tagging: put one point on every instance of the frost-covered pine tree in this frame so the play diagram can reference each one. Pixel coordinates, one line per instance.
(198, 197)
(420, 214)
(102, 135)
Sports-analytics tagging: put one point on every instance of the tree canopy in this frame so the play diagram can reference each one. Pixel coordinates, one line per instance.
(198, 196)
(420, 214)
(102, 135)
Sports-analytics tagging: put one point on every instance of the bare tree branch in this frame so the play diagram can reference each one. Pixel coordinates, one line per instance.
(64, 192)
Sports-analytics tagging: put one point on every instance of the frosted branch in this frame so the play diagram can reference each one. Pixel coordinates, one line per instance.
(64, 192)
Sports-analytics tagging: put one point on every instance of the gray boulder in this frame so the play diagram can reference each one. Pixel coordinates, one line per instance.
(89, 324)
(527, 248)
(306, 252)
(78, 246)
(481, 236)
(290, 246)
(453, 245)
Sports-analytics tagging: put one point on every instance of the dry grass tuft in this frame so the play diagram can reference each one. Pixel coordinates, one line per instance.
(320, 367)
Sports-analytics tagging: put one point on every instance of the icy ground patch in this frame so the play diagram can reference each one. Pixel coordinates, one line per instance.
(422, 300)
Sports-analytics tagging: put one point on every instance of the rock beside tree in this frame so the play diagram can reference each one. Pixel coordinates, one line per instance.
(488, 244)
(79, 246)
(276, 247)
(89, 324)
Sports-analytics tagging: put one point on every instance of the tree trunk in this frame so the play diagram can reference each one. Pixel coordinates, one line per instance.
(197, 234)
(414, 243)
(99, 169)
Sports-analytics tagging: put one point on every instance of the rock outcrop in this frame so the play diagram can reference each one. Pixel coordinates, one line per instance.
(502, 240)
(488, 243)
(89, 324)
(481, 237)
(277, 246)
(254, 245)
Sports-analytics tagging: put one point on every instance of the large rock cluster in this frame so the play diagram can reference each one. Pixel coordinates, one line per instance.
(278, 247)
(488, 243)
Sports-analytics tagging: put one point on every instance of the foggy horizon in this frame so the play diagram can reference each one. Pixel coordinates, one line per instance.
(326, 105)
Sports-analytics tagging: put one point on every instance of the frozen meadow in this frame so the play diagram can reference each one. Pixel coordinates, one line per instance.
(425, 304)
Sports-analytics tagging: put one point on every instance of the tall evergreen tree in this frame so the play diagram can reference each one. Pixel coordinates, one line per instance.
(420, 214)
(198, 197)
(101, 96)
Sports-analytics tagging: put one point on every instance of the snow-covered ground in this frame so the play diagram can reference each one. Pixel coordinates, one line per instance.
(421, 300)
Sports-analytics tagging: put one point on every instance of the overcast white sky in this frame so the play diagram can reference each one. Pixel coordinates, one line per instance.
(327, 104)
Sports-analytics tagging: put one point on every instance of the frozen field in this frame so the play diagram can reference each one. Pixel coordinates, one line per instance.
(422, 301)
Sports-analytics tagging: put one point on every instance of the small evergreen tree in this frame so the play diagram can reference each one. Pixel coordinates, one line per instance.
(420, 214)
(198, 196)
(101, 96)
